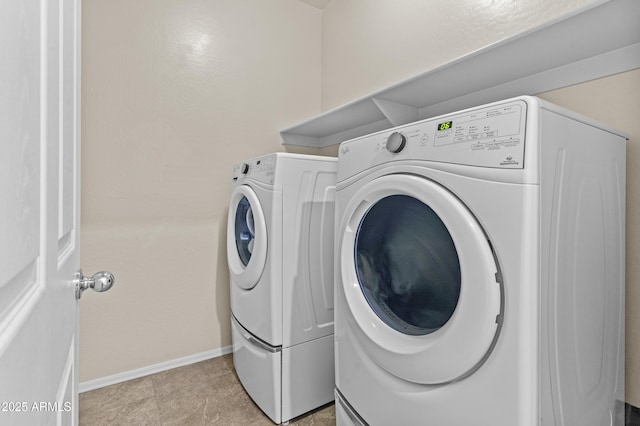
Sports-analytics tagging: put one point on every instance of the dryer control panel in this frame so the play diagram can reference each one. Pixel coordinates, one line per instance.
(485, 130)
(491, 136)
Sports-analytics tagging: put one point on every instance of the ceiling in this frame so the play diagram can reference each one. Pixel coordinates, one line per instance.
(318, 4)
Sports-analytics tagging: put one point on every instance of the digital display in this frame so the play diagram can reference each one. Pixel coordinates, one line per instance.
(445, 125)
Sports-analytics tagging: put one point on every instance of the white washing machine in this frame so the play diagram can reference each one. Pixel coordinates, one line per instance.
(280, 254)
(480, 271)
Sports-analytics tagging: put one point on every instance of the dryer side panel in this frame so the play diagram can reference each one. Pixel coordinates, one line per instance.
(308, 239)
(582, 286)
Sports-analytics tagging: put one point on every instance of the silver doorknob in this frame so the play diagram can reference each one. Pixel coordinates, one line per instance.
(100, 281)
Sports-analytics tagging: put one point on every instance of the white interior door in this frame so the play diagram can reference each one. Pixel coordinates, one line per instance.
(39, 210)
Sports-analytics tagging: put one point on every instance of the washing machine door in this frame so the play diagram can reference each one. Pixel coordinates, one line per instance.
(420, 279)
(246, 237)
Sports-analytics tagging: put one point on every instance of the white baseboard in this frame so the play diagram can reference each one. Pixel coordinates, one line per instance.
(151, 369)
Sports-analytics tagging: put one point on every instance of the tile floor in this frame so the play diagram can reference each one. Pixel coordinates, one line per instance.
(205, 393)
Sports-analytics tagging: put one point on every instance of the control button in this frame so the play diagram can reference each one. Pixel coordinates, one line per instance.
(244, 168)
(396, 142)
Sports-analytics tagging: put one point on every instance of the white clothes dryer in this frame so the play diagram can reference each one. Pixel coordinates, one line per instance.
(280, 254)
(480, 271)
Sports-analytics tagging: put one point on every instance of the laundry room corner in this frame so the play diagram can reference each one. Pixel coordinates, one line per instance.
(173, 94)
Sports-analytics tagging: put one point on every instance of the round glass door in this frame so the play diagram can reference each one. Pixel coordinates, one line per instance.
(245, 230)
(246, 237)
(407, 265)
(419, 278)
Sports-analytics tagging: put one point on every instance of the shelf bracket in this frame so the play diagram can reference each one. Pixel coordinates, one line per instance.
(396, 113)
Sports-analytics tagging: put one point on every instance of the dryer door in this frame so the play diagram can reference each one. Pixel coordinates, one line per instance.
(246, 237)
(420, 279)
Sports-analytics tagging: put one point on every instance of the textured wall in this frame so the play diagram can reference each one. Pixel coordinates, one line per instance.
(173, 94)
(368, 45)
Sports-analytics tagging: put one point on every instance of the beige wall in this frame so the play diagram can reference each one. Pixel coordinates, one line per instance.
(173, 94)
(370, 44)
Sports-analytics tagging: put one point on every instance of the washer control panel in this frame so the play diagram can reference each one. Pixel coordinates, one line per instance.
(261, 169)
(488, 136)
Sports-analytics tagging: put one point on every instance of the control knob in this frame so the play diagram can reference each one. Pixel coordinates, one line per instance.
(396, 142)
(244, 168)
